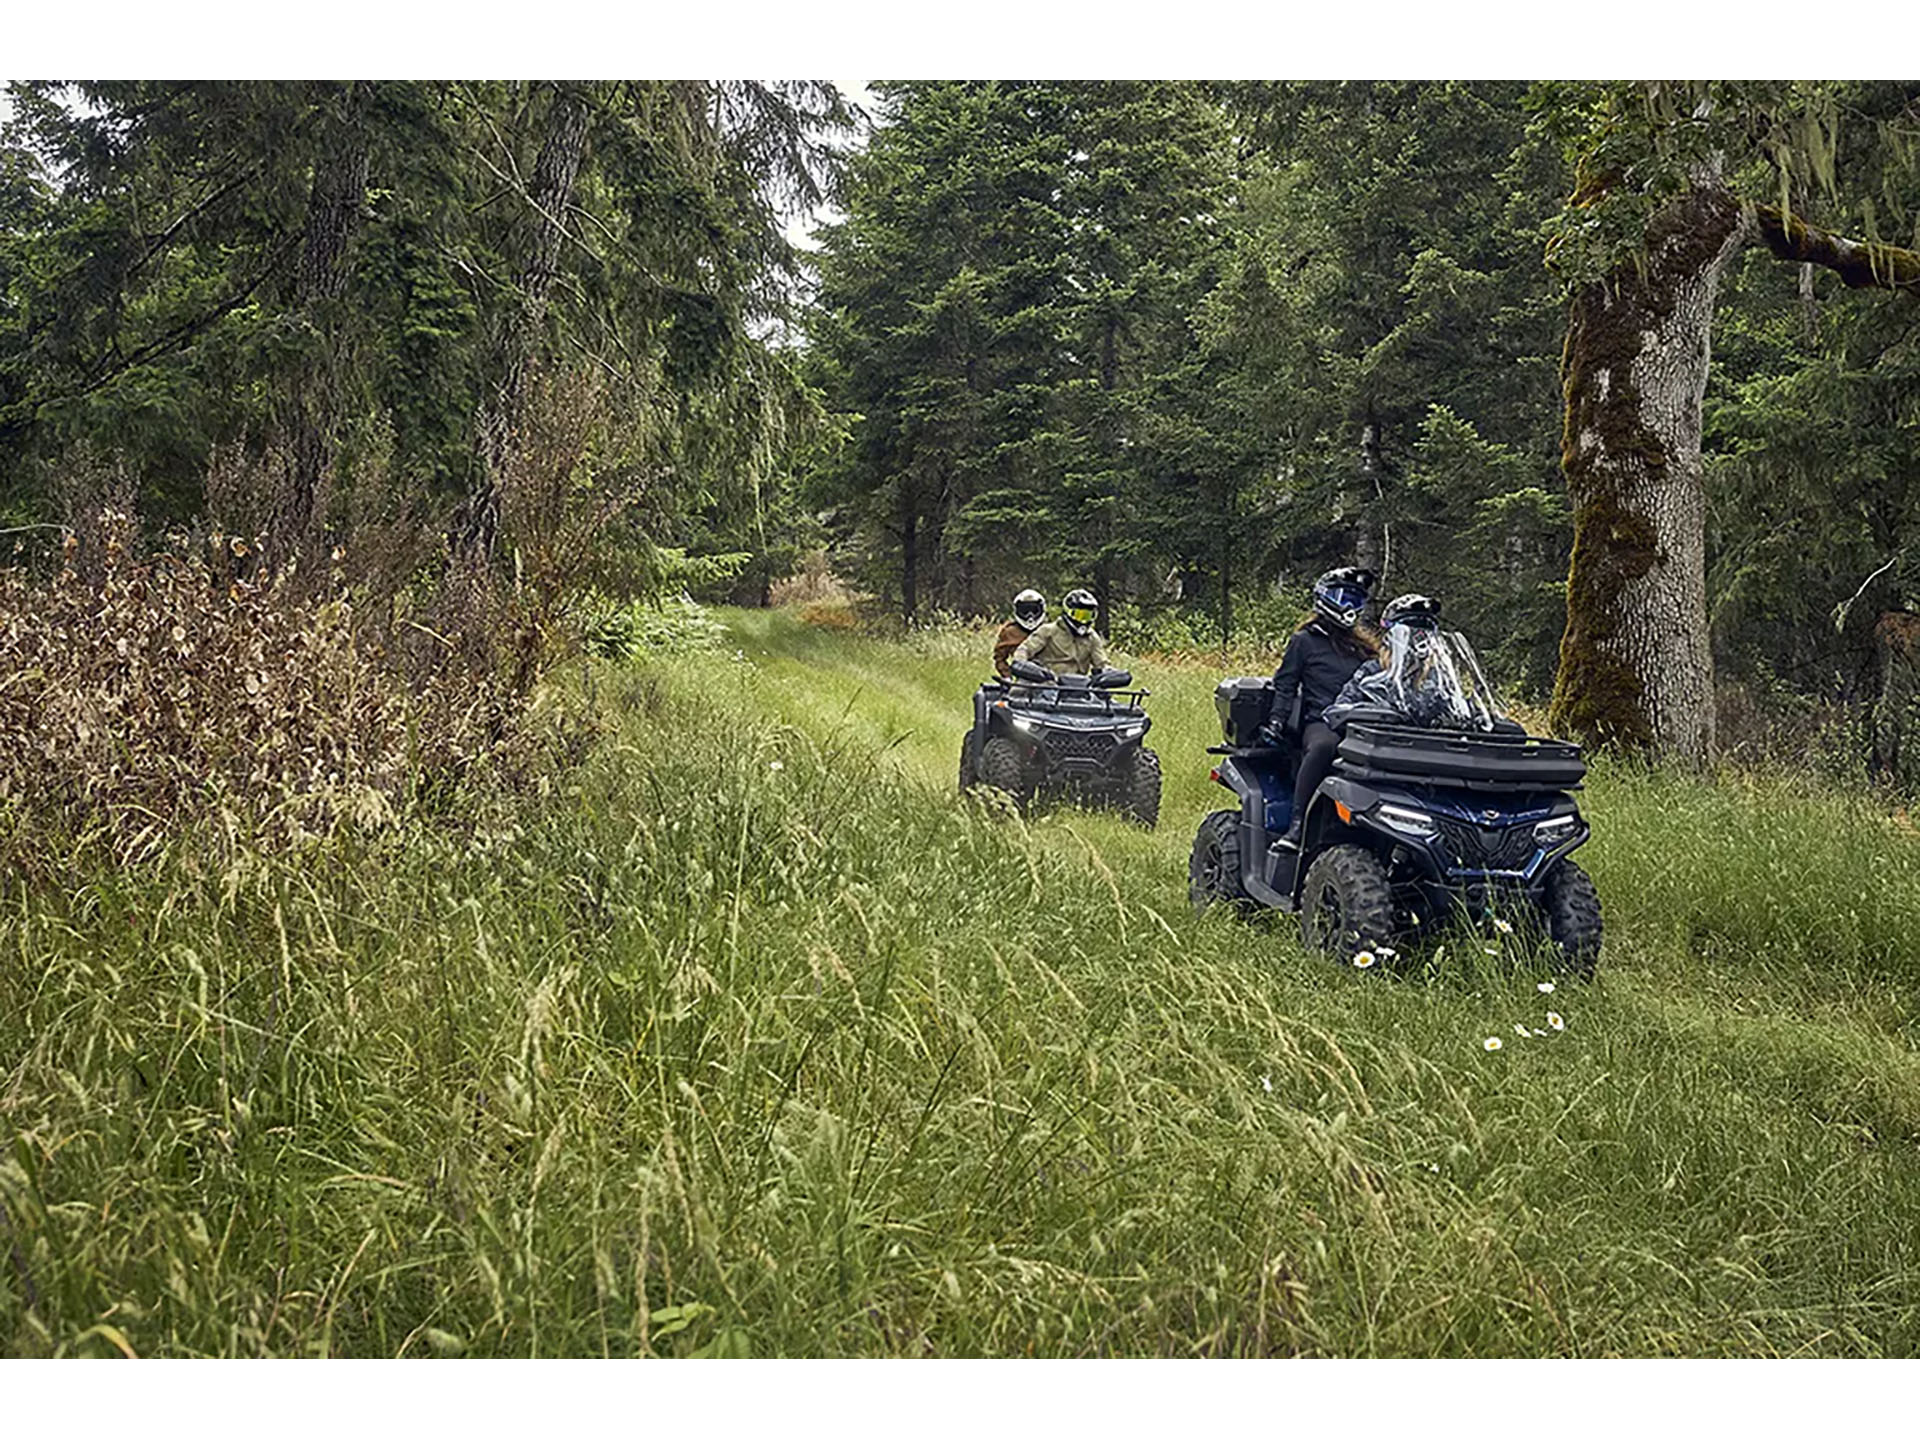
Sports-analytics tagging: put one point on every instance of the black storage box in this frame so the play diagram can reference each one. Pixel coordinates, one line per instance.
(1448, 757)
(1243, 704)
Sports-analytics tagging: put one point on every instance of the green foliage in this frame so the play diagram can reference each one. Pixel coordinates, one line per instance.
(672, 625)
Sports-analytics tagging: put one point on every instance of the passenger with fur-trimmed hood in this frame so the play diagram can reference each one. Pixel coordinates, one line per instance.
(1029, 610)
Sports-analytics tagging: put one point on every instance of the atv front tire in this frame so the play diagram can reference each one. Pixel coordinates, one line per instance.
(1572, 908)
(1003, 767)
(1347, 906)
(1213, 869)
(1142, 793)
(967, 776)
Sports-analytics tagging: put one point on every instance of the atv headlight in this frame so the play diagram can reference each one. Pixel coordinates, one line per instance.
(1549, 833)
(1027, 727)
(1407, 822)
(1134, 732)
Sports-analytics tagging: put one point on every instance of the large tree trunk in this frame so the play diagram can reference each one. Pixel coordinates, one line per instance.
(334, 208)
(1894, 754)
(1636, 670)
(549, 195)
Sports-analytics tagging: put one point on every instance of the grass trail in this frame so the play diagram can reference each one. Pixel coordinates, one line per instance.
(754, 1037)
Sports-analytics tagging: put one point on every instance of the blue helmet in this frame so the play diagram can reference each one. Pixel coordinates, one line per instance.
(1340, 595)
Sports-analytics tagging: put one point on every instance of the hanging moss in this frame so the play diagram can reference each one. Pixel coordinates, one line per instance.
(1860, 264)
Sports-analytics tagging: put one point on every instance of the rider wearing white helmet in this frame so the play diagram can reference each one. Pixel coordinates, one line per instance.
(1029, 610)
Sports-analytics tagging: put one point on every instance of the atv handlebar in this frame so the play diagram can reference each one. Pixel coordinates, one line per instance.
(1035, 674)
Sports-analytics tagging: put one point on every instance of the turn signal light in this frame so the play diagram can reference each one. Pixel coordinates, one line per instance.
(1346, 815)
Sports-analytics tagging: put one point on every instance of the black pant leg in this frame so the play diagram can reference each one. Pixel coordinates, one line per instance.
(1317, 746)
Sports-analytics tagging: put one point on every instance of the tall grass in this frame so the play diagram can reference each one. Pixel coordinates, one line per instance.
(760, 1040)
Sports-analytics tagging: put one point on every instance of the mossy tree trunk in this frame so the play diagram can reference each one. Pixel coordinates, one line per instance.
(1895, 753)
(1636, 671)
(1636, 667)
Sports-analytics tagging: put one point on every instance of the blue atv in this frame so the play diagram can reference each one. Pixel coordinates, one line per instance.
(1416, 824)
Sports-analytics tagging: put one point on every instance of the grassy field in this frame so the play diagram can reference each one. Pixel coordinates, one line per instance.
(758, 1039)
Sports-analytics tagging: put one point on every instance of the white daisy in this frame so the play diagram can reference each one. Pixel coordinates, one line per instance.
(775, 766)
(1505, 927)
(1362, 959)
(1492, 1042)
(1545, 987)
(1554, 1022)
(1266, 1083)
(1521, 1030)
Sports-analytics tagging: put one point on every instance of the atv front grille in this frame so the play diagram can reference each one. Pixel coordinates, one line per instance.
(1487, 847)
(1093, 746)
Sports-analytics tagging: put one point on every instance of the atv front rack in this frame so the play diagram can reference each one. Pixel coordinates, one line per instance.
(1404, 755)
(1074, 699)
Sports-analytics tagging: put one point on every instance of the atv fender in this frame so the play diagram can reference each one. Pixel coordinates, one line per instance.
(1325, 828)
(1255, 838)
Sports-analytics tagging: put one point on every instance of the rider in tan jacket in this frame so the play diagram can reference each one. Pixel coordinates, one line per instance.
(1069, 645)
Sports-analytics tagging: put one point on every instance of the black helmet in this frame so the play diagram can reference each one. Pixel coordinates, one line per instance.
(1415, 610)
(1340, 595)
(1029, 609)
(1078, 610)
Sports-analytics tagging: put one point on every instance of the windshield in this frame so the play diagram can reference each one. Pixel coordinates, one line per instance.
(1432, 677)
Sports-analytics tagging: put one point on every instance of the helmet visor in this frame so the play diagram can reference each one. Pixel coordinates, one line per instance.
(1080, 614)
(1343, 596)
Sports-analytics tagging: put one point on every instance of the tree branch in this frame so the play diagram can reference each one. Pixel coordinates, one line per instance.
(104, 373)
(1860, 264)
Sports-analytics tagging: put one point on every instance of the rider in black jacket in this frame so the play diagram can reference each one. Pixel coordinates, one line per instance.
(1321, 657)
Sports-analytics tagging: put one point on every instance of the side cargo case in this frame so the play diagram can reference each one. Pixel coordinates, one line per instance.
(1243, 703)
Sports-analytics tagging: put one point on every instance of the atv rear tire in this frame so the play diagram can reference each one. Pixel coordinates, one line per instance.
(1003, 767)
(1141, 797)
(1213, 869)
(1572, 908)
(1347, 905)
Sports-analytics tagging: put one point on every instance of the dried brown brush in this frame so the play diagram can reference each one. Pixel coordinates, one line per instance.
(141, 694)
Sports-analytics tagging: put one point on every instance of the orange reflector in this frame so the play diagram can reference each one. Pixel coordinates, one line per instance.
(1340, 809)
(1214, 774)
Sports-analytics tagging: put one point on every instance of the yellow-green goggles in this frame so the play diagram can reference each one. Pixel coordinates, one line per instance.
(1081, 614)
